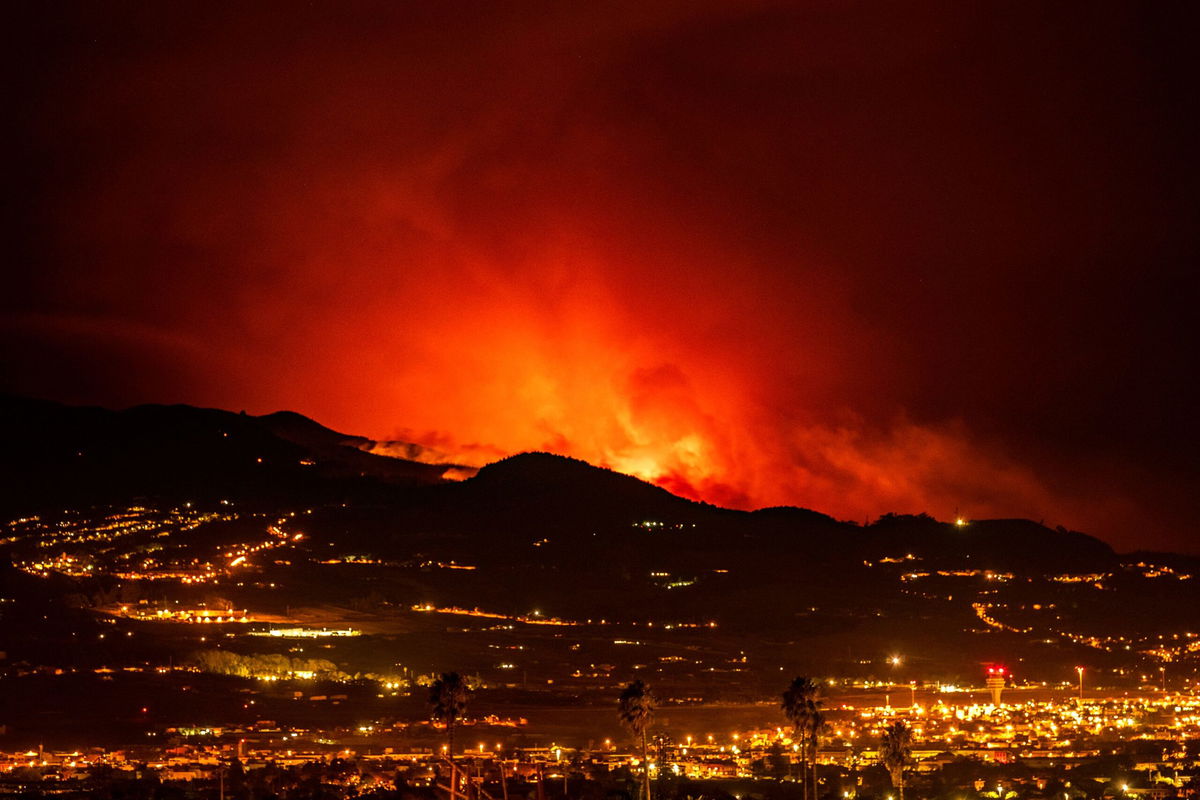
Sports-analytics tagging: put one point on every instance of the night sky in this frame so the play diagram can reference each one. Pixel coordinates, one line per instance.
(856, 257)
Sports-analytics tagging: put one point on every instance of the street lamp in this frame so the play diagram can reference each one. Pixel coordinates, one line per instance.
(895, 661)
(1080, 671)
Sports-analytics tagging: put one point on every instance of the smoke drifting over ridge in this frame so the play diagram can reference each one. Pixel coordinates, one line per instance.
(855, 261)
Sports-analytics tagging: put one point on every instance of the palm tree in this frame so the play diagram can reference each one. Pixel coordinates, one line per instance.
(803, 709)
(448, 696)
(895, 752)
(814, 733)
(636, 710)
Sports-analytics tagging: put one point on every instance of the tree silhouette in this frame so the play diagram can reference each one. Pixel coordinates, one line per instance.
(814, 733)
(803, 710)
(448, 696)
(895, 752)
(636, 710)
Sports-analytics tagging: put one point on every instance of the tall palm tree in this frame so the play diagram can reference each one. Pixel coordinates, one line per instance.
(895, 752)
(636, 710)
(814, 733)
(448, 696)
(803, 709)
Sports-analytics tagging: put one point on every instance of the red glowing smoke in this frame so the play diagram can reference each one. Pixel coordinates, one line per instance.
(759, 256)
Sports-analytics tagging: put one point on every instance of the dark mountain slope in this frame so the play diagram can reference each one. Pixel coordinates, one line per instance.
(559, 487)
(1015, 545)
(306, 432)
(56, 455)
(342, 455)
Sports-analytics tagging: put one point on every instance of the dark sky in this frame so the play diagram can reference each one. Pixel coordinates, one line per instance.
(858, 257)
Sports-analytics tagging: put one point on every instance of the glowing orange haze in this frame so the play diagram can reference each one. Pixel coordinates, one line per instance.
(720, 387)
(669, 356)
(579, 375)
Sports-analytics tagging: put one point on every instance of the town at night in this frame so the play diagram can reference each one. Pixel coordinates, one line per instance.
(632, 401)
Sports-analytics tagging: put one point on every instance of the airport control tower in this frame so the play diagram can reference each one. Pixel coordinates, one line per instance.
(995, 682)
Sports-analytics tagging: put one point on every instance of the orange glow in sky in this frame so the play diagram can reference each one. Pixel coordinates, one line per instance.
(758, 254)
